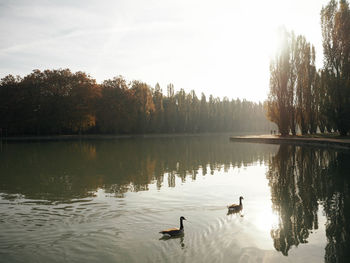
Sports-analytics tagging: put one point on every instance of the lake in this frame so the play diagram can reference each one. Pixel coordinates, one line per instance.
(107, 200)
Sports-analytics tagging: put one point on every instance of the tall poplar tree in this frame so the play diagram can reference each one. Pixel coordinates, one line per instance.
(335, 25)
(278, 99)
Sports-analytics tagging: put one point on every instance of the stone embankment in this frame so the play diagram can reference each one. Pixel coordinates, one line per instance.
(275, 139)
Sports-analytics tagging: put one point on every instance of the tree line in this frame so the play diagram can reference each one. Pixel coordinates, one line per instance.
(304, 98)
(61, 102)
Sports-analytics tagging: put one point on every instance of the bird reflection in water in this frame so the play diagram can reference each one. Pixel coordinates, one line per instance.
(233, 212)
(181, 237)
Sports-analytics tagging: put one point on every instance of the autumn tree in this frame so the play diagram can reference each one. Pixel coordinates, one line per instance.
(10, 104)
(158, 113)
(203, 114)
(307, 87)
(143, 104)
(115, 111)
(49, 102)
(335, 25)
(278, 100)
(82, 102)
(293, 100)
(170, 109)
(291, 87)
(61, 102)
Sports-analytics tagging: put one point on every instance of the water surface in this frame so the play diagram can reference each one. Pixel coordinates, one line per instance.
(107, 200)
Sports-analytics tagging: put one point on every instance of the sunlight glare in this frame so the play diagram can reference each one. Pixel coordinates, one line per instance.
(267, 220)
(254, 42)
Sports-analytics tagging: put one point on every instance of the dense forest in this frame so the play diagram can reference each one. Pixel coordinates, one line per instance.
(304, 98)
(61, 102)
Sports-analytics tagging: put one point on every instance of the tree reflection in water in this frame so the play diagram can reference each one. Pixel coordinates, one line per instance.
(300, 179)
(60, 171)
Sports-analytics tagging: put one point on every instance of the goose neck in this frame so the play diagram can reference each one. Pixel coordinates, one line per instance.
(181, 224)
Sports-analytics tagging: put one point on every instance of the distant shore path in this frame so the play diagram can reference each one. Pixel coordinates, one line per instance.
(314, 141)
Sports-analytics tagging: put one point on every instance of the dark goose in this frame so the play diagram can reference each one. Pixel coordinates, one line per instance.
(174, 231)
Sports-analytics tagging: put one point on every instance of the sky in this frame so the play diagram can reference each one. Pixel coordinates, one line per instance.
(219, 47)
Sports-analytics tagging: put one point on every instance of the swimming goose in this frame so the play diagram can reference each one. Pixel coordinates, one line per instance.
(234, 208)
(174, 231)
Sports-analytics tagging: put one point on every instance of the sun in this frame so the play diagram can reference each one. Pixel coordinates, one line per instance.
(249, 49)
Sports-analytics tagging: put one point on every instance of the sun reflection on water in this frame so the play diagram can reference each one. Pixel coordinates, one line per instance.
(267, 220)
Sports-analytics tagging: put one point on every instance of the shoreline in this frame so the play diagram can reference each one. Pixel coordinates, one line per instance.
(87, 137)
(343, 143)
(312, 141)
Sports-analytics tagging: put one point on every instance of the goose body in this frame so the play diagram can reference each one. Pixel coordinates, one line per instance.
(174, 231)
(234, 208)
